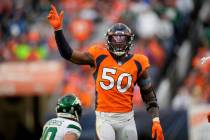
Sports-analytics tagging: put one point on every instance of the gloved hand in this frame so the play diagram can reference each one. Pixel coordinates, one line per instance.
(208, 116)
(157, 131)
(55, 19)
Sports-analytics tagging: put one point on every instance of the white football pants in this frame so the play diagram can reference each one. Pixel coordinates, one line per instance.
(115, 126)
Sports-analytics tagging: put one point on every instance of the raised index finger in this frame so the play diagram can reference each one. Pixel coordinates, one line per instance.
(53, 8)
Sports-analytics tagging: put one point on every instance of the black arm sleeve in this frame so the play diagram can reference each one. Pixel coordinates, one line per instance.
(149, 96)
(150, 100)
(63, 47)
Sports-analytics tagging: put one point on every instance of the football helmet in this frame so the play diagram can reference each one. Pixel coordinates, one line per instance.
(119, 39)
(69, 106)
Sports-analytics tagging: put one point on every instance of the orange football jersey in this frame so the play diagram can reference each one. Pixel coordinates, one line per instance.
(115, 82)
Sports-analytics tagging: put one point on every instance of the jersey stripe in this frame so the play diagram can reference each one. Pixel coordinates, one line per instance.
(139, 67)
(96, 99)
(74, 127)
(99, 59)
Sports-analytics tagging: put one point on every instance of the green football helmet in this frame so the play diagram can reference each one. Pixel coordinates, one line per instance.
(69, 106)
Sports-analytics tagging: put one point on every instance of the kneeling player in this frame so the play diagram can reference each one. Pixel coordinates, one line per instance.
(66, 126)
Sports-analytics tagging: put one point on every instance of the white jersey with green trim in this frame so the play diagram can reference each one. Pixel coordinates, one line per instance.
(56, 128)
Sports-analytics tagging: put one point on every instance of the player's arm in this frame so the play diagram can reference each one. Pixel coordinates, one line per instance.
(149, 98)
(70, 136)
(148, 94)
(77, 57)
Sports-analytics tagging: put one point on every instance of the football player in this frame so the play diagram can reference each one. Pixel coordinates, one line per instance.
(116, 72)
(66, 126)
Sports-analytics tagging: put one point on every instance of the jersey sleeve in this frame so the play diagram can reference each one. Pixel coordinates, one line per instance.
(73, 128)
(144, 61)
(93, 51)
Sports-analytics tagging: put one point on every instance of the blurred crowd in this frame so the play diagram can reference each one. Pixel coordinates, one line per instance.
(160, 26)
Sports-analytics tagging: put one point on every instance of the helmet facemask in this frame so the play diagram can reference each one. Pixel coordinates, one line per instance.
(118, 44)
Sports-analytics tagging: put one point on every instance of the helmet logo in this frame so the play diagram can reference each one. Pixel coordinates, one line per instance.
(119, 32)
